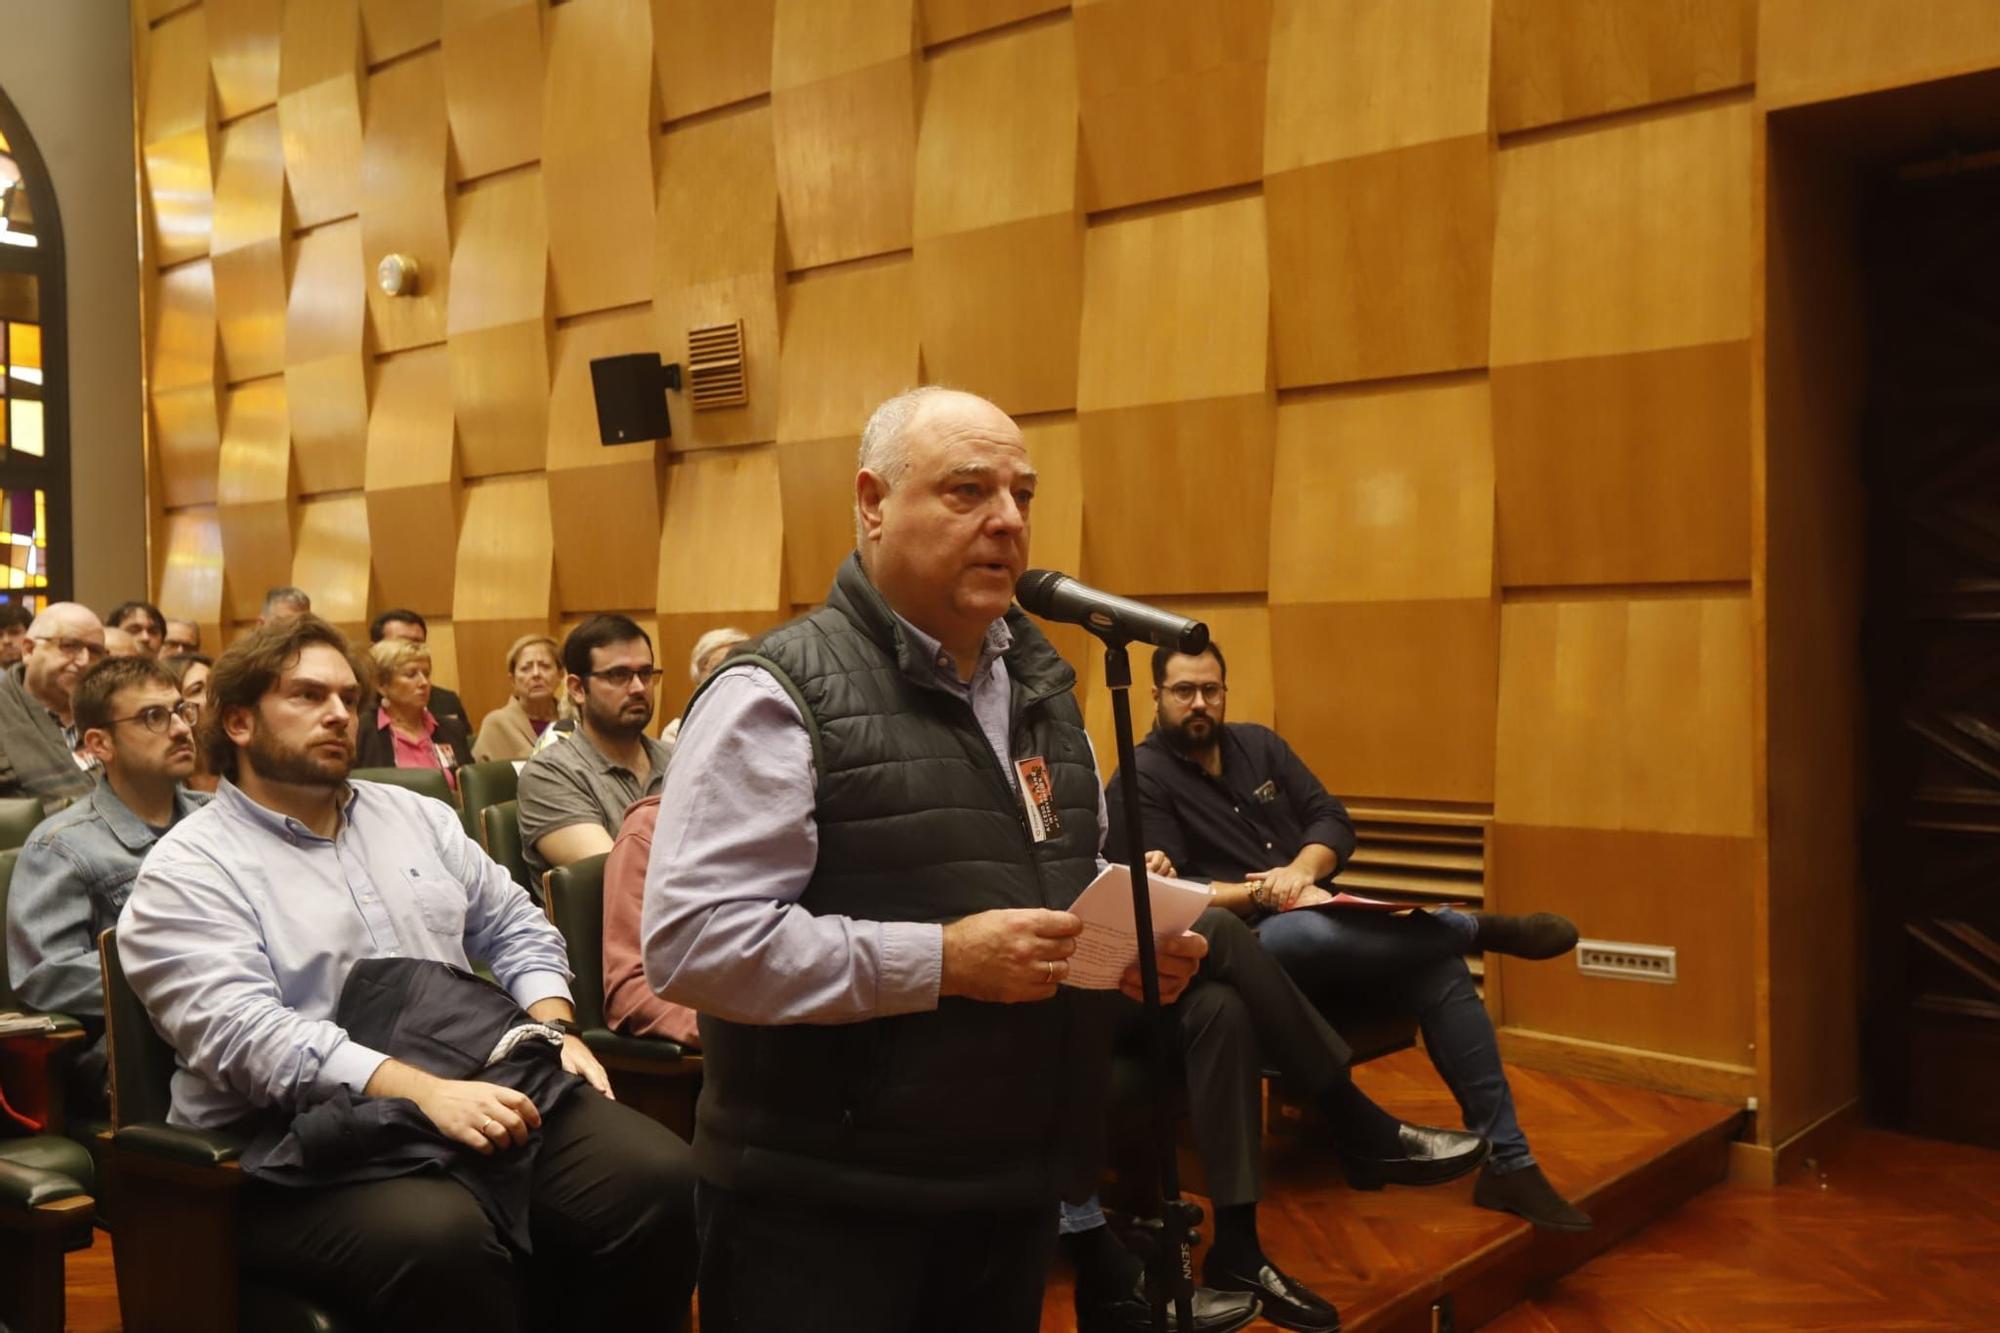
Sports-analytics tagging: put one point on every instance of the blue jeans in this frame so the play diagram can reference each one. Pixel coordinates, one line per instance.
(1075, 1217)
(1349, 961)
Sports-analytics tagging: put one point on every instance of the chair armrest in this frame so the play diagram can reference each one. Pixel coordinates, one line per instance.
(173, 1143)
(631, 1051)
(23, 1187)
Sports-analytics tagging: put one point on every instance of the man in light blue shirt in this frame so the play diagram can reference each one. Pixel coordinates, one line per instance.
(77, 868)
(239, 937)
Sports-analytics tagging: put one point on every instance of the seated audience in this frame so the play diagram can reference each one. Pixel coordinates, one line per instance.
(38, 739)
(240, 936)
(183, 638)
(630, 1006)
(511, 730)
(402, 732)
(1231, 803)
(404, 624)
(709, 650)
(14, 620)
(117, 643)
(573, 795)
(143, 621)
(282, 603)
(191, 671)
(76, 869)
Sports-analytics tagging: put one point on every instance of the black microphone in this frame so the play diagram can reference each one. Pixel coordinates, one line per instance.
(1059, 597)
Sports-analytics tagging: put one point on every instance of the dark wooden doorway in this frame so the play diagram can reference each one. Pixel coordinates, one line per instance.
(1931, 646)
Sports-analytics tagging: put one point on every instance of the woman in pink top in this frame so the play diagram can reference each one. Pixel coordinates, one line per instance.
(401, 731)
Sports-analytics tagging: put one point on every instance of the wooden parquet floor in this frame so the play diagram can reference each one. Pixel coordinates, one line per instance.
(1903, 1234)
(1892, 1232)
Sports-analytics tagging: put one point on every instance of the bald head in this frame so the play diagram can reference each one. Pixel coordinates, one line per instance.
(900, 426)
(64, 641)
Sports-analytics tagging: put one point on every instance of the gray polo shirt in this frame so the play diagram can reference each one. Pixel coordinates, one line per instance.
(571, 782)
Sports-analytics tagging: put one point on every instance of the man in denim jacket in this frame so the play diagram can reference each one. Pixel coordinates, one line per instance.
(77, 868)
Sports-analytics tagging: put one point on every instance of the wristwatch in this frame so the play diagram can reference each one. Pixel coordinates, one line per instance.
(564, 1026)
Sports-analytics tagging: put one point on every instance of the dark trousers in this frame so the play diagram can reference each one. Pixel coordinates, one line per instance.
(1241, 1013)
(611, 1218)
(777, 1265)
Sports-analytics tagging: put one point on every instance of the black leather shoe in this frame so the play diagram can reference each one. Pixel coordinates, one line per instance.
(1287, 1302)
(1540, 935)
(1527, 1193)
(1214, 1312)
(1430, 1157)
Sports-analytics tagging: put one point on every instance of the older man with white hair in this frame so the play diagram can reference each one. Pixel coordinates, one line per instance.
(897, 1086)
(37, 735)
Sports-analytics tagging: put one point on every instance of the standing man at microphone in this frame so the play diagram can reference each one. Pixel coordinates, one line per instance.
(897, 1090)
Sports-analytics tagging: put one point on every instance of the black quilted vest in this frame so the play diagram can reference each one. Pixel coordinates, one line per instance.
(973, 1104)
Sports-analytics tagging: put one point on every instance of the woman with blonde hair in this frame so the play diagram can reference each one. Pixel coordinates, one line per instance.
(400, 731)
(709, 650)
(534, 666)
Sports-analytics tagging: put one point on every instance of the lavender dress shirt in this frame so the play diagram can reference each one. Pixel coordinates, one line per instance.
(722, 930)
(244, 924)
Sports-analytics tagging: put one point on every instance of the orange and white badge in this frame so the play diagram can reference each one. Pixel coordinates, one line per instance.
(1038, 796)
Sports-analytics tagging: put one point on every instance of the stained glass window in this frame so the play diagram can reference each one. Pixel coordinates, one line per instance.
(34, 468)
(17, 219)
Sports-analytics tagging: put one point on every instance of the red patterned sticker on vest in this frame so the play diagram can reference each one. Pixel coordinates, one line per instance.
(1039, 797)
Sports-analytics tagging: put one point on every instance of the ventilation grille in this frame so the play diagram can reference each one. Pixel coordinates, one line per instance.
(1419, 852)
(715, 367)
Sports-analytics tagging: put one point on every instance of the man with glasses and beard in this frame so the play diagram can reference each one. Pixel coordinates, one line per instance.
(77, 868)
(240, 937)
(1231, 803)
(574, 793)
(38, 737)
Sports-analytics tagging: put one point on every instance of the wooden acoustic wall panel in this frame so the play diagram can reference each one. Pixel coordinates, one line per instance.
(1172, 96)
(1693, 893)
(711, 55)
(506, 580)
(947, 20)
(598, 123)
(183, 381)
(397, 27)
(1810, 50)
(249, 245)
(254, 495)
(850, 342)
(1627, 714)
(177, 134)
(1557, 60)
(319, 108)
(332, 560)
(327, 360)
(1390, 699)
(721, 556)
(717, 261)
(999, 236)
(1174, 390)
(1625, 469)
(1627, 238)
(844, 118)
(1381, 265)
(412, 482)
(498, 320)
(1055, 450)
(1354, 77)
(492, 54)
(1384, 496)
(604, 503)
(405, 191)
(243, 44)
(190, 574)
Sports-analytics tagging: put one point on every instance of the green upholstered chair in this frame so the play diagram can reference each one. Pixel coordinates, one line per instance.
(658, 1076)
(481, 785)
(173, 1192)
(502, 826)
(18, 817)
(46, 1179)
(424, 781)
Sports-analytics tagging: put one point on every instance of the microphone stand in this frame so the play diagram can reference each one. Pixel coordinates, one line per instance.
(1164, 1241)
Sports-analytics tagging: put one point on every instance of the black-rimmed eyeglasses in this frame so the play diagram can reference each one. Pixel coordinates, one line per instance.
(159, 717)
